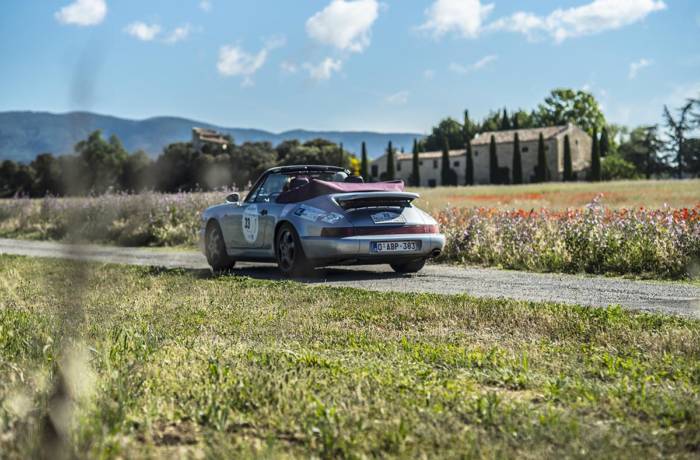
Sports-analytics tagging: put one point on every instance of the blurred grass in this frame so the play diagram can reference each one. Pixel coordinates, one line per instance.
(560, 195)
(187, 364)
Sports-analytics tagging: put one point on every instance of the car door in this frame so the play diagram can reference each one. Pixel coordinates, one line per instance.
(249, 221)
(241, 226)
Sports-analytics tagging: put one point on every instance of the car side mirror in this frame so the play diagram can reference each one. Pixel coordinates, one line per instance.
(233, 198)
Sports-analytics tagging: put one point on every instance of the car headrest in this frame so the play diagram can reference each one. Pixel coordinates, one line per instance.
(355, 179)
(298, 182)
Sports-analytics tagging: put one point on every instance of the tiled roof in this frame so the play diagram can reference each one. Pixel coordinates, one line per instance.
(525, 135)
(428, 155)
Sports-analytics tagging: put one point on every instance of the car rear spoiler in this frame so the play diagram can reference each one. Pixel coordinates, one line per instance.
(358, 200)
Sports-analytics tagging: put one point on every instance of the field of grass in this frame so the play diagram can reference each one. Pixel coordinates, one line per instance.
(166, 363)
(559, 195)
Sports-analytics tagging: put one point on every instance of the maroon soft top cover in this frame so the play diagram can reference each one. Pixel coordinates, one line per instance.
(317, 187)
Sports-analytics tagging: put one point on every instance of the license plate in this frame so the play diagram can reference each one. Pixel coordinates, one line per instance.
(395, 246)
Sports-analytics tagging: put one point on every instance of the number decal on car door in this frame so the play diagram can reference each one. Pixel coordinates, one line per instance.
(250, 223)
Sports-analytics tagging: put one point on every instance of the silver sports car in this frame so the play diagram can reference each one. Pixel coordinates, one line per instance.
(309, 216)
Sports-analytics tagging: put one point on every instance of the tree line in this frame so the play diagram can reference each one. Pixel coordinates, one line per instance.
(100, 165)
(617, 152)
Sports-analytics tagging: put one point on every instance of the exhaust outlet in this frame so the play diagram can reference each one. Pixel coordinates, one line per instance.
(435, 253)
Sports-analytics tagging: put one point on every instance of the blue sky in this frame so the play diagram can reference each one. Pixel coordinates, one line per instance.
(348, 65)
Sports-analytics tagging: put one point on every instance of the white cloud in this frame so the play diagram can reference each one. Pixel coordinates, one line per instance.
(464, 17)
(428, 74)
(399, 98)
(234, 61)
(324, 69)
(346, 25)
(594, 17)
(635, 67)
(83, 13)
(478, 65)
(289, 67)
(143, 31)
(205, 5)
(178, 34)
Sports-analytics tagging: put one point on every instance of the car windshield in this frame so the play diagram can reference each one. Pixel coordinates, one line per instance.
(277, 183)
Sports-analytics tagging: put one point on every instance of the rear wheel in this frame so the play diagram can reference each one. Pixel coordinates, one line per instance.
(291, 259)
(413, 266)
(217, 256)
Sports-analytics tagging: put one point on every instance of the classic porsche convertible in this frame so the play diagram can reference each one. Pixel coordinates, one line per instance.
(310, 216)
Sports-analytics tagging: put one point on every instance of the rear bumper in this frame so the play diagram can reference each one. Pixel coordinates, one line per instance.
(356, 249)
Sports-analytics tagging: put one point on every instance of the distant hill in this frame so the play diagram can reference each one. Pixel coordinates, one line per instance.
(23, 135)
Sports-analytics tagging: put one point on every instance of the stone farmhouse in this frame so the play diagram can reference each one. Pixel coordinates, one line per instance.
(430, 163)
(203, 139)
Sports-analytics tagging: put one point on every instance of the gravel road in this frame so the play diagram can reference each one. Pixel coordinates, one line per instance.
(674, 298)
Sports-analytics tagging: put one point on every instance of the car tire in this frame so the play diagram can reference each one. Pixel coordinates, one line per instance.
(289, 252)
(413, 266)
(215, 249)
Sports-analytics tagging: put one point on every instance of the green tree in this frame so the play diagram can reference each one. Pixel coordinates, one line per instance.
(364, 165)
(604, 143)
(568, 165)
(595, 159)
(614, 167)
(135, 172)
(493, 162)
(517, 161)
(677, 129)
(542, 173)
(643, 149)
(469, 172)
(468, 129)
(390, 163)
(445, 171)
(47, 175)
(569, 106)
(101, 163)
(505, 121)
(449, 128)
(341, 155)
(415, 172)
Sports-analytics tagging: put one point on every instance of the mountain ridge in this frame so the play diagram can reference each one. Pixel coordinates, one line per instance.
(25, 133)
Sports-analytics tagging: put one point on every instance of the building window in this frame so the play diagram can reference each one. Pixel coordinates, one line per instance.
(398, 166)
(546, 148)
(435, 164)
(431, 183)
(476, 153)
(525, 149)
(576, 141)
(420, 162)
(375, 170)
(456, 164)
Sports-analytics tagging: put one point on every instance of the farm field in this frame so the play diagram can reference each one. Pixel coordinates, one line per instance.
(634, 235)
(183, 363)
(559, 195)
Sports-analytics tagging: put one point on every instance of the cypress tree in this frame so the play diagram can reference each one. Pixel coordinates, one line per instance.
(493, 162)
(604, 143)
(517, 161)
(469, 173)
(542, 166)
(505, 121)
(595, 158)
(415, 174)
(364, 169)
(568, 166)
(466, 128)
(445, 172)
(516, 123)
(390, 166)
(469, 160)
